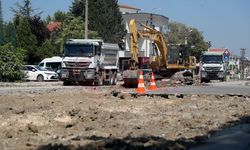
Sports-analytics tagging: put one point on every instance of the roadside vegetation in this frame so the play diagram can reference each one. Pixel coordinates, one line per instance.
(28, 37)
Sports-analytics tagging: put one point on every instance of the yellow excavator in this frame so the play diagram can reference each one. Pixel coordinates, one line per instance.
(165, 60)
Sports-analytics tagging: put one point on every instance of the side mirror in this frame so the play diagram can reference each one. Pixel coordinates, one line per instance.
(33, 70)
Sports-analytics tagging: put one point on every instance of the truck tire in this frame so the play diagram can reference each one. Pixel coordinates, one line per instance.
(114, 78)
(110, 79)
(99, 80)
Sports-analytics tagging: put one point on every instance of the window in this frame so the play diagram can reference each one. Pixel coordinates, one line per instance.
(41, 65)
(77, 50)
(53, 66)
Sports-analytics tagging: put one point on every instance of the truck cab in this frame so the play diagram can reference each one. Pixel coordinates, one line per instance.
(89, 61)
(213, 67)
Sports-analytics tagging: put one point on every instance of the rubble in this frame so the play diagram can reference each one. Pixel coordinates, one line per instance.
(81, 118)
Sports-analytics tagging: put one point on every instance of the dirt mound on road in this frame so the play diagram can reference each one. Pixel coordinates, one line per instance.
(102, 118)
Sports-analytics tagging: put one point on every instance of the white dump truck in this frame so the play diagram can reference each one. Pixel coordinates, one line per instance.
(88, 61)
(213, 67)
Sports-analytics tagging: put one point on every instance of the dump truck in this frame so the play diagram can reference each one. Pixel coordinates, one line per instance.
(213, 67)
(163, 63)
(89, 61)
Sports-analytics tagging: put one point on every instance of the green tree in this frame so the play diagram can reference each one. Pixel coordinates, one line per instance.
(72, 28)
(39, 29)
(31, 31)
(195, 39)
(104, 17)
(26, 40)
(25, 10)
(49, 49)
(48, 19)
(177, 35)
(9, 34)
(197, 43)
(11, 61)
(60, 16)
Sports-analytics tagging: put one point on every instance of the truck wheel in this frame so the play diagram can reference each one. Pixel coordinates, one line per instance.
(40, 78)
(110, 80)
(99, 80)
(114, 78)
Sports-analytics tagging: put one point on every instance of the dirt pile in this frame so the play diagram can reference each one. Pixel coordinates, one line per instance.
(105, 118)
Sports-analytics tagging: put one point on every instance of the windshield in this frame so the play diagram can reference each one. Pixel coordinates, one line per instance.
(212, 59)
(78, 50)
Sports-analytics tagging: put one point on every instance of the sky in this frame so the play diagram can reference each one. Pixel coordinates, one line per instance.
(226, 23)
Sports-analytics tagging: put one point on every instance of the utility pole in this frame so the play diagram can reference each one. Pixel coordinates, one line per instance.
(242, 59)
(86, 18)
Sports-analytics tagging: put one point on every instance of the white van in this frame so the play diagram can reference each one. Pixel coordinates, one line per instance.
(53, 63)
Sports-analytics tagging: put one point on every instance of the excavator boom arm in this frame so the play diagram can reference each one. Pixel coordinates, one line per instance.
(133, 42)
(151, 34)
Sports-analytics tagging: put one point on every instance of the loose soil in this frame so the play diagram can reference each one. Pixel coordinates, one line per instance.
(104, 118)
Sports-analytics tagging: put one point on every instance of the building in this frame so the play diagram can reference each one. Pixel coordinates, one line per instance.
(125, 9)
(234, 66)
(53, 26)
(159, 22)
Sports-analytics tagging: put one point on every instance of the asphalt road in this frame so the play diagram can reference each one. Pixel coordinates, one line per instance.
(216, 88)
(210, 90)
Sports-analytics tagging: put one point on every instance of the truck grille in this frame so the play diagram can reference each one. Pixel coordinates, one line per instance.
(212, 68)
(77, 64)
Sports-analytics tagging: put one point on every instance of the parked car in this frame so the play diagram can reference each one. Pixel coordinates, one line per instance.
(52, 64)
(39, 74)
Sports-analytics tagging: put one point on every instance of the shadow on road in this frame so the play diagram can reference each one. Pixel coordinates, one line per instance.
(142, 143)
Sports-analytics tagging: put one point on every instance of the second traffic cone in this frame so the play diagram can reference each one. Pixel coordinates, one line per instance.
(141, 87)
(152, 85)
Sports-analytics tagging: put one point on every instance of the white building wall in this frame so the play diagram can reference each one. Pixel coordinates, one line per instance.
(127, 10)
(145, 45)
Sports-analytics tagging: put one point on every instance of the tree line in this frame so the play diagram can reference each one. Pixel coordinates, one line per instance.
(26, 39)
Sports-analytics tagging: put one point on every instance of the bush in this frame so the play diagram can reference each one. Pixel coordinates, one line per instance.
(11, 63)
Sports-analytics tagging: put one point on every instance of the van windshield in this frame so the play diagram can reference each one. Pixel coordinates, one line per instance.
(78, 50)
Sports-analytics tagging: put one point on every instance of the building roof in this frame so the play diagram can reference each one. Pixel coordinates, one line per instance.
(53, 26)
(129, 7)
(146, 17)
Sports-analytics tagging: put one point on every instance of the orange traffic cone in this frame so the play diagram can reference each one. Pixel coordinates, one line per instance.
(141, 88)
(152, 85)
